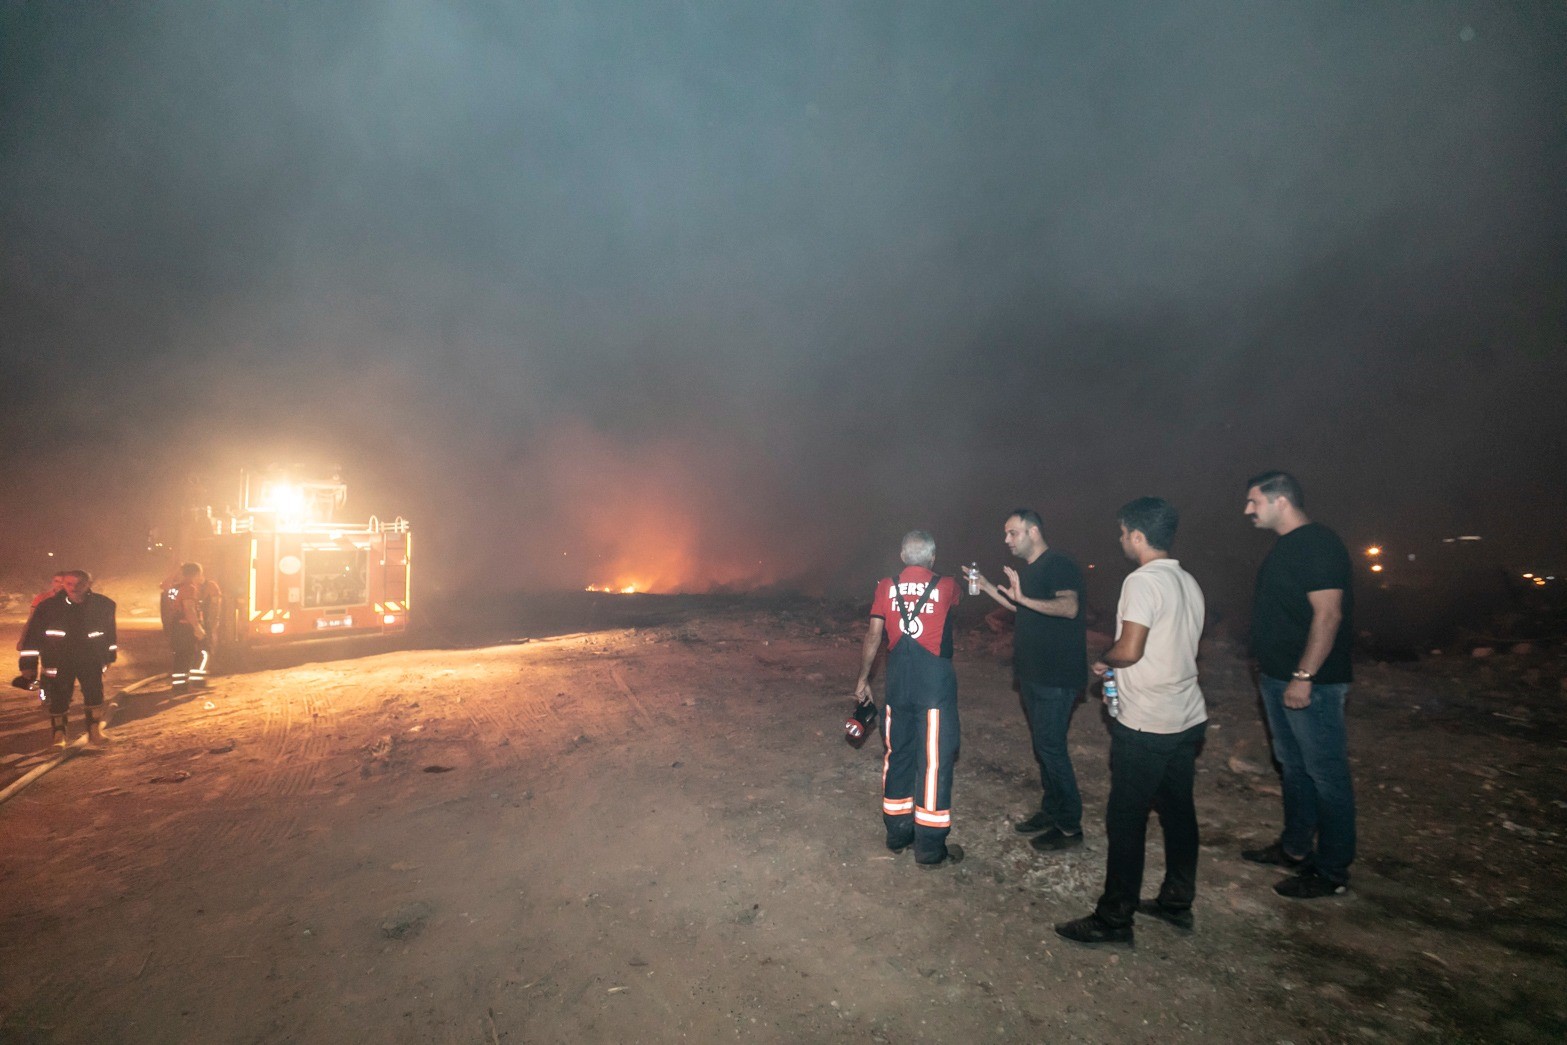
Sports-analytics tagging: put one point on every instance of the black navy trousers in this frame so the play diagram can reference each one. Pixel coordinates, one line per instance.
(920, 728)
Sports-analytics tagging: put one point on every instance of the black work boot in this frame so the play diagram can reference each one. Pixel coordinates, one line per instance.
(58, 730)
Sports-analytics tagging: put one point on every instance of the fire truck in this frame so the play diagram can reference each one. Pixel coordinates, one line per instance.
(290, 569)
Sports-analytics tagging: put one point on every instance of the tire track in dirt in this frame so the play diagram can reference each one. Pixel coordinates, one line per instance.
(508, 719)
(295, 742)
(493, 744)
(639, 708)
(276, 714)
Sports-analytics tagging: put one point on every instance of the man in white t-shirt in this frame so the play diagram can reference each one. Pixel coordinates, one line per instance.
(1154, 742)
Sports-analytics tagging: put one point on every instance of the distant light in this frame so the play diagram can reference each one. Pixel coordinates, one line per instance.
(1469, 537)
(1374, 551)
(277, 628)
(1528, 576)
(1539, 582)
(51, 555)
(1376, 567)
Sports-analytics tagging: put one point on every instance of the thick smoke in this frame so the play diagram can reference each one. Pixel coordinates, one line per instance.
(710, 296)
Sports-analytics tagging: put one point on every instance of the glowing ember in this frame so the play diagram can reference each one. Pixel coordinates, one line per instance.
(627, 589)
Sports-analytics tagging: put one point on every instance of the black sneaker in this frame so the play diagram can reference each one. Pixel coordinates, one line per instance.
(1310, 886)
(954, 856)
(1094, 930)
(1272, 855)
(1034, 824)
(1181, 919)
(1055, 840)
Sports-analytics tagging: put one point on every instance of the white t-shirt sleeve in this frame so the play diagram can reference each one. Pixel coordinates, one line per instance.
(1140, 600)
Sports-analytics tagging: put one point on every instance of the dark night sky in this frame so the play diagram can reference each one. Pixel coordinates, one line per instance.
(734, 293)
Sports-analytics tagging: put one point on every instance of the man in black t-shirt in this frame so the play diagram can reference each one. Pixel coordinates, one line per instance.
(1300, 639)
(1050, 656)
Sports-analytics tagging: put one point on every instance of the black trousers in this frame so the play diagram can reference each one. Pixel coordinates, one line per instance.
(1150, 771)
(182, 641)
(201, 661)
(921, 731)
(60, 682)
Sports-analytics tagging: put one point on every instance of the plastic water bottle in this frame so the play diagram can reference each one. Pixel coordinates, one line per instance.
(973, 578)
(1112, 694)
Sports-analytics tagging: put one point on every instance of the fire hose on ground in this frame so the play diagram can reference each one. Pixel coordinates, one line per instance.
(39, 770)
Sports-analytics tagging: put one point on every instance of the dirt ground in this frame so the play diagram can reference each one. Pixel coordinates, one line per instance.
(655, 832)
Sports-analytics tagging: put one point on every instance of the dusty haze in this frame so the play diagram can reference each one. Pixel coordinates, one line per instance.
(700, 296)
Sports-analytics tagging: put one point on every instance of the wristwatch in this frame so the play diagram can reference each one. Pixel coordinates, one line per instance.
(1301, 676)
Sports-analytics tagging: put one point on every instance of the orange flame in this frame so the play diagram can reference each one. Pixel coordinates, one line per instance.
(660, 517)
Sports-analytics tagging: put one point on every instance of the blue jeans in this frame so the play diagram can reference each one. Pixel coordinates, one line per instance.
(1319, 799)
(1049, 710)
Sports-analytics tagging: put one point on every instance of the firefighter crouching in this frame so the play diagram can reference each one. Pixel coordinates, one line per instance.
(180, 608)
(71, 640)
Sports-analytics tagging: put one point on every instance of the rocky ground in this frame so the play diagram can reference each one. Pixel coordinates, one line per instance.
(652, 830)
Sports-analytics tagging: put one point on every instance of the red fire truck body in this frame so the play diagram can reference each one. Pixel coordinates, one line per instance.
(289, 571)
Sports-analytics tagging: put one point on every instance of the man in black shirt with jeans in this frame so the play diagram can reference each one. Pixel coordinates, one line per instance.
(1300, 638)
(1050, 656)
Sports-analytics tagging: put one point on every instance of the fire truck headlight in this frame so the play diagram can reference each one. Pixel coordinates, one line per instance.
(283, 497)
(277, 627)
(390, 618)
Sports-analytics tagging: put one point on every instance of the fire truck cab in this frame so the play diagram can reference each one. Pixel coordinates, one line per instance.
(290, 570)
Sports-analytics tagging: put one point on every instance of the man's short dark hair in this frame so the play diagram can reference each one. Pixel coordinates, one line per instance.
(1028, 517)
(1279, 484)
(190, 569)
(1155, 517)
(81, 575)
